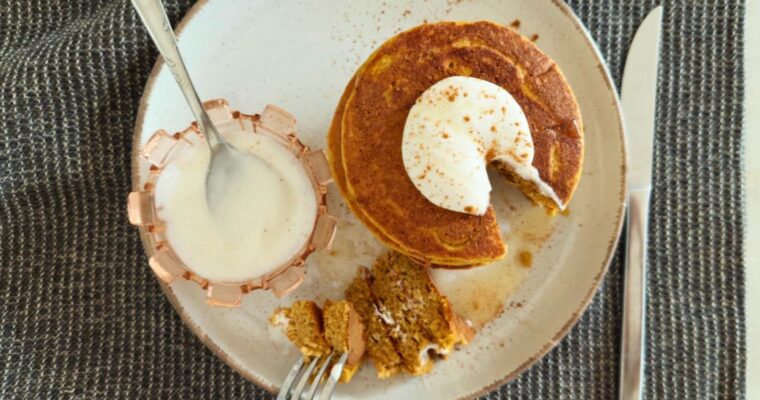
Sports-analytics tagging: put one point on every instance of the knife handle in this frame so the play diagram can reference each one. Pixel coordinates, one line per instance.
(634, 297)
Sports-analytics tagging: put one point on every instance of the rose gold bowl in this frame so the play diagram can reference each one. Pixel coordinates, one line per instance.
(273, 122)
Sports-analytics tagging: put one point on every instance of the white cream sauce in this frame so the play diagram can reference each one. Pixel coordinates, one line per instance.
(263, 219)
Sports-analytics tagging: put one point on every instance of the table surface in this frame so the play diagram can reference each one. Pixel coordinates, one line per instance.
(752, 176)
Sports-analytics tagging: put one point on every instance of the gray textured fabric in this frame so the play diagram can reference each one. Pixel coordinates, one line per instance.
(82, 317)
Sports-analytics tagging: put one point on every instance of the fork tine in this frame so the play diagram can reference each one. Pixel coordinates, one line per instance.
(329, 385)
(296, 394)
(315, 383)
(292, 375)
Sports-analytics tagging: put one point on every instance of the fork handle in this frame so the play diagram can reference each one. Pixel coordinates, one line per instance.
(156, 21)
(634, 297)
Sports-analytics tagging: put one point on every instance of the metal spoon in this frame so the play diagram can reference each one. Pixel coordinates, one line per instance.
(223, 157)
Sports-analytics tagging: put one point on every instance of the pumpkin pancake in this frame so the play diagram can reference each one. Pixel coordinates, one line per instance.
(366, 134)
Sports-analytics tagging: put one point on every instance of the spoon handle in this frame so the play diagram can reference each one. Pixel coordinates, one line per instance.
(156, 21)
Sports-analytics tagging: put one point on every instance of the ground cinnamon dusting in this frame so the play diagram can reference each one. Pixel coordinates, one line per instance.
(526, 259)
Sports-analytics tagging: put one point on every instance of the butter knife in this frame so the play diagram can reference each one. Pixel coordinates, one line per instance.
(639, 99)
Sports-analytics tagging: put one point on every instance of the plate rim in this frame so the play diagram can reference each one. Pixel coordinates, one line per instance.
(553, 342)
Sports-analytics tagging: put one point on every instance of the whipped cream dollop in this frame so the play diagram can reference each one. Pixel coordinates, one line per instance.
(454, 130)
(261, 220)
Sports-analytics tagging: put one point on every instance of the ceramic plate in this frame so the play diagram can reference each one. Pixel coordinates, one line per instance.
(299, 55)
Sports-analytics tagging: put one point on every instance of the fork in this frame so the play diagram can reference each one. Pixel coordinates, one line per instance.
(299, 375)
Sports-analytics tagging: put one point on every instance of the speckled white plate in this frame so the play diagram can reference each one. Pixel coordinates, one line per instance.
(299, 55)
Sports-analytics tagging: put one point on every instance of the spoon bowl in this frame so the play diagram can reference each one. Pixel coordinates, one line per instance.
(224, 161)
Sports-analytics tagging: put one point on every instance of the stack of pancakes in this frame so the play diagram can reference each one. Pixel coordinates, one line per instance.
(366, 134)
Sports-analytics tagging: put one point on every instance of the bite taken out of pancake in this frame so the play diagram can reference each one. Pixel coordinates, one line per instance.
(366, 134)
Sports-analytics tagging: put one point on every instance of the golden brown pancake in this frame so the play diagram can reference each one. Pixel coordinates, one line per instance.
(365, 137)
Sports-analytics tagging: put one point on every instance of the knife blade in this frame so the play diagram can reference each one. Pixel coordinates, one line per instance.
(639, 95)
(639, 101)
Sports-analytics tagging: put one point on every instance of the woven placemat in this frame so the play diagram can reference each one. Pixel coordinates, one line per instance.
(82, 317)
